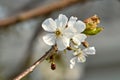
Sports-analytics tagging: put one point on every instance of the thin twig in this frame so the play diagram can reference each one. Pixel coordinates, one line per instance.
(26, 61)
(31, 68)
(44, 10)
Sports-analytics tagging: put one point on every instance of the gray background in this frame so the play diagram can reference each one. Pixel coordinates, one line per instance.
(15, 40)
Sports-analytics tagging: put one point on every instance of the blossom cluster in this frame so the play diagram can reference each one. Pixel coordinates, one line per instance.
(67, 34)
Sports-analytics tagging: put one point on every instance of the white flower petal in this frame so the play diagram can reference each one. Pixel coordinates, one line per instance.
(68, 33)
(61, 21)
(78, 38)
(76, 41)
(80, 26)
(49, 39)
(71, 66)
(72, 62)
(72, 21)
(49, 25)
(89, 51)
(71, 24)
(81, 58)
(62, 42)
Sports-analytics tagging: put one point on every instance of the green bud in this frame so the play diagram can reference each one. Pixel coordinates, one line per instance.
(93, 31)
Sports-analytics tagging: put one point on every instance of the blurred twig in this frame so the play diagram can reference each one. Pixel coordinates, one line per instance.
(44, 10)
(31, 68)
(29, 5)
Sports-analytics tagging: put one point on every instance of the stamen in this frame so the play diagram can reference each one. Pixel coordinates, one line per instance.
(58, 33)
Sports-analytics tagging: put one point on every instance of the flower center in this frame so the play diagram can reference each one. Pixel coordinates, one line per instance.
(58, 33)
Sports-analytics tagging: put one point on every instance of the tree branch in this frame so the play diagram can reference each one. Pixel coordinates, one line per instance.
(25, 62)
(44, 10)
(31, 68)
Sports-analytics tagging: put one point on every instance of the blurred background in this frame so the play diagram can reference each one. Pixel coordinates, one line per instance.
(21, 44)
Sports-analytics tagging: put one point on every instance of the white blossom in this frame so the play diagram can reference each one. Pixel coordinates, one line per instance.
(58, 32)
(80, 55)
(67, 34)
(77, 27)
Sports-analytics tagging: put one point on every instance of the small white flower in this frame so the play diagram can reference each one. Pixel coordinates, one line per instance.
(58, 33)
(77, 27)
(80, 55)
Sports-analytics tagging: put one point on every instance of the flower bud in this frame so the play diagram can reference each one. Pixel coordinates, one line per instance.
(92, 22)
(53, 66)
(85, 44)
(93, 31)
